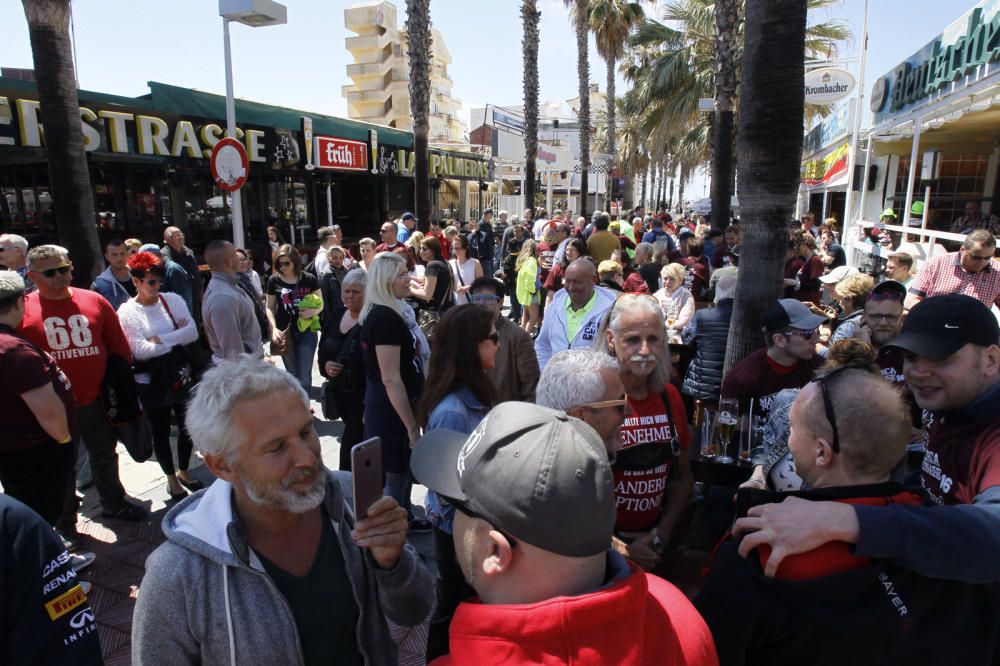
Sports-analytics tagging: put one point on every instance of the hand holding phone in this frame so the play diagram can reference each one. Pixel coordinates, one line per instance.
(366, 475)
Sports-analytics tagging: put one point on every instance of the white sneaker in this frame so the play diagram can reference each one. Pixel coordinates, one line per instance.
(81, 560)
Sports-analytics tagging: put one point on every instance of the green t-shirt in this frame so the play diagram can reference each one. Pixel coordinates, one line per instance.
(575, 318)
(322, 604)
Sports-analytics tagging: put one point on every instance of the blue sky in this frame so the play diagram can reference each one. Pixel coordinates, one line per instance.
(122, 45)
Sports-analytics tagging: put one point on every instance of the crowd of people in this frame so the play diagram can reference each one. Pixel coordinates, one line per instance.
(564, 443)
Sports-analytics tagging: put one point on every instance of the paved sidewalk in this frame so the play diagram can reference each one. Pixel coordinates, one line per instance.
(122, 547)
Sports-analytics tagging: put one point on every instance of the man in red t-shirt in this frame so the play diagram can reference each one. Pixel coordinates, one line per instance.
(37, 412)
(653, 478)
(80, 329)
(788, 361)
(390, 244)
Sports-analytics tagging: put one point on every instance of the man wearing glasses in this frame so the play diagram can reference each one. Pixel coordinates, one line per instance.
(515, 371)
(971, 271)
(390, 243)
(535, 509)
(952, 366)
(791, 332)
(829, 605)
(80, 330)
(13, 257)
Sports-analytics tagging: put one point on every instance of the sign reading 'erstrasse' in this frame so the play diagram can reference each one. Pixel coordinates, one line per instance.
(343, 154)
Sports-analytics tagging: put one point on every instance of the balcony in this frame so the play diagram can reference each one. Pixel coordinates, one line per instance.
(364, 43)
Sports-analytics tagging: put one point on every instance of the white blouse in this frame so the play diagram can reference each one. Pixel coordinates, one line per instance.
(141, 322)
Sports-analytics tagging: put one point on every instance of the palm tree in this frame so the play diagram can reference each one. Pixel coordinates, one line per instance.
(612, 21)
(530, 18)
(579, 10)
(419, 44)
(59, 106)
(770, 153)
(727, 51)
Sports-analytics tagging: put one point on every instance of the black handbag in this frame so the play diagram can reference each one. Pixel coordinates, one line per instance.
(329, 402)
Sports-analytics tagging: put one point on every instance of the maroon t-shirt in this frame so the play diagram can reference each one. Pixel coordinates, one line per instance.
(761, 379)
(890, 360)
(792, 268)
(24, 367)
(696, 277)
(809, 284)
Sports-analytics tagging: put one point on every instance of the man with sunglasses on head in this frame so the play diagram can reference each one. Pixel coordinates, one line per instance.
(515, 371)
(535, 510)
(972, 271)
(80, 330)
(791, 332)
(952, 366)
(830, 605)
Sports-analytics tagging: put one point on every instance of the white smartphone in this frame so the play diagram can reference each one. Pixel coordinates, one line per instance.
(366, 475)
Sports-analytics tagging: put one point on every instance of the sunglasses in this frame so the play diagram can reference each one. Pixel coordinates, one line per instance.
(494, 338)
(831, 416)
(282, 264)
(61, 270)
(975, 257)
(618, 405)
(152, 282)
(805, 334)
(485, 298)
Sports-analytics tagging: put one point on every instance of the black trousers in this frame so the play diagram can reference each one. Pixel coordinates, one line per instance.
(353, 417)
(159, 422)
(451, 591)
(40, 476)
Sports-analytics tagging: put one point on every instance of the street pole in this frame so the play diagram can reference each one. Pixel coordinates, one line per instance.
(853, 145)
(237, 201)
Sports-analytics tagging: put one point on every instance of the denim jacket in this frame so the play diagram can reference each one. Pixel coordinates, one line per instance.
(459, 411)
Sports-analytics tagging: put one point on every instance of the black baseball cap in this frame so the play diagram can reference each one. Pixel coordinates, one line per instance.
(788, 312)
(888, 287)
(533, 472)
(939, 326)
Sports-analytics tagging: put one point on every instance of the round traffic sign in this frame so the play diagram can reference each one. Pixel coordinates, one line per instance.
(229, 164)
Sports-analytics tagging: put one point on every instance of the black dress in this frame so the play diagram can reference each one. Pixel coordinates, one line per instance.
(349, 385)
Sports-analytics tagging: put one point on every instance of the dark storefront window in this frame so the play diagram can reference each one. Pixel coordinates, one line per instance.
(26, 205)
(963, 178)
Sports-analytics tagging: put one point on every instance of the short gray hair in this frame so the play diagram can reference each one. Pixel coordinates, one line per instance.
(11, 286)
(210, 409)
(15, 240)
(43, 252)
(572, 378)
(645, 249)
(355, 276)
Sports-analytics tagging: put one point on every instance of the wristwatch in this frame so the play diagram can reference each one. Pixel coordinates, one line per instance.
(656, 544)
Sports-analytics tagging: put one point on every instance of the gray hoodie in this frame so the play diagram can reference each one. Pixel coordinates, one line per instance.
(206, 599)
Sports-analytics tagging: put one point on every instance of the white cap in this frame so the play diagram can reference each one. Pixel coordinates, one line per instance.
(838, 274)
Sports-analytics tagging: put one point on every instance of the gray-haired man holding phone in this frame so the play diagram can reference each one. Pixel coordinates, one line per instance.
(268, 565)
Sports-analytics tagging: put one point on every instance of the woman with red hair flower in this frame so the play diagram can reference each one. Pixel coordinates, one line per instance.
(154, 324)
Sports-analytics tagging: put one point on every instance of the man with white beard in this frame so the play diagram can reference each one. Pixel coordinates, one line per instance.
(269, 565)
(653, 479)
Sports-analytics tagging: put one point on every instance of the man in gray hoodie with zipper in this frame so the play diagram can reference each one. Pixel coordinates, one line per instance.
(269, 565)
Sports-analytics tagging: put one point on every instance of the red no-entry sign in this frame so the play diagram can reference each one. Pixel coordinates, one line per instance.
(229, 164)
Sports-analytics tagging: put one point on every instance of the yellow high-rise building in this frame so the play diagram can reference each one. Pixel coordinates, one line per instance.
(381, 69)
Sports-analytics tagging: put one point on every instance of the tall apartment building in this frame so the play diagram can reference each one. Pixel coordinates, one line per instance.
(381, 70)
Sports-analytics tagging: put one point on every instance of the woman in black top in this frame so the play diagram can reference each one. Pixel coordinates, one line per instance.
(341, 362)
(433, 291)
(394, 350)
(285, 289)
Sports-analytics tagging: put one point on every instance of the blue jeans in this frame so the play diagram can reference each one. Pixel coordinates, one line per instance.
(299, 359)
(398, 487)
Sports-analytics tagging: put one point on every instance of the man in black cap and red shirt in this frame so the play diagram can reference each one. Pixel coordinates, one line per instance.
(535, 510)
(952, 366)
(788, 361)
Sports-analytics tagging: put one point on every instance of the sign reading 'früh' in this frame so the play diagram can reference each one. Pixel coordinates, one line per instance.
(342, 154)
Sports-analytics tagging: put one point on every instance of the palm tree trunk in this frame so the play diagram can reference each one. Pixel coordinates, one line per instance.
(418, 28)
(583, 117)
(770, 151)
(612, 147)
(530, 17)
(59, 107)
(727, 28)
(680, 188)
(645, 174)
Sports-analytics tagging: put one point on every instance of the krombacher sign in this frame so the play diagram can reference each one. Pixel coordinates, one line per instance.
(949, 57)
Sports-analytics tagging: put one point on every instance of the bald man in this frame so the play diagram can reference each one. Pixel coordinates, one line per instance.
(574, 313)
(230, 320)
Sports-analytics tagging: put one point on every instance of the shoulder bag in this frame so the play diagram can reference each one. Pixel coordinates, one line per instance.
(284, 337)
(430, 313)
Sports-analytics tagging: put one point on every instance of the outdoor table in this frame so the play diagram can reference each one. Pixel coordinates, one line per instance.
(714, 473)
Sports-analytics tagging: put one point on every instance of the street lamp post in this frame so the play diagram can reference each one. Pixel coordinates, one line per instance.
(256, 14)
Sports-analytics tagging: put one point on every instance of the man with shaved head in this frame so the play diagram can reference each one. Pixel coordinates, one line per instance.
(828, 604)
(575, 312)
(230, 320)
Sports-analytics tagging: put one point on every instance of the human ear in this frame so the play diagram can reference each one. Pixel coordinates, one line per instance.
(501, 555)
(991, 361)
(611, 341)
(220, 467)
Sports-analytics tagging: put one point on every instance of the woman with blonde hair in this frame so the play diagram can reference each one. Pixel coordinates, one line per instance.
(527, 284)
(395, 353)
(675, 300)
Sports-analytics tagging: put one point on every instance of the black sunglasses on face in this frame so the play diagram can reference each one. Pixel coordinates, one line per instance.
(283, 264)
(494, 337)
(61, 270)
(472, 514)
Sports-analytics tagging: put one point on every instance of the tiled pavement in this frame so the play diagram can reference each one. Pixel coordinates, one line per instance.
(122, 547)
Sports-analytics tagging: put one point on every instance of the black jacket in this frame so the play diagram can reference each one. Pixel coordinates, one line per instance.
(711, 331)
(45, 617)
(862, 612)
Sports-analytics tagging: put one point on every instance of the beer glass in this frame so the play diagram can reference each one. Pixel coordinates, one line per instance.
(729, 417)
(706, 419)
